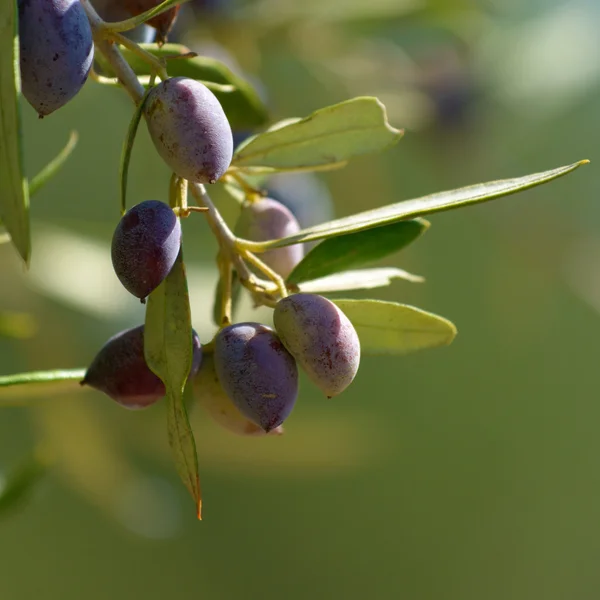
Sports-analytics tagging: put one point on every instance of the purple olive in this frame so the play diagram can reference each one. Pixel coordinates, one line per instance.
(210, 394)
(121, 372)
(257, 373)
(267, 219)
(189, 129)
(321, 338)
(145, 246)
(56, 52)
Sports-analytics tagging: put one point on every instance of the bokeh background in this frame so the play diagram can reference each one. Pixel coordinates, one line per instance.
(460, 473)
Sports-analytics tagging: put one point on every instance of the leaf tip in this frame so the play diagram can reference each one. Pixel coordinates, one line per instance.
(199, 509)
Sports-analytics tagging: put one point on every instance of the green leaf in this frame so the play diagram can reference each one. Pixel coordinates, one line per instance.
(409, 209)
(17, 485)
(356, 249)
(37, 384)
(391, 328)
(128, 148)
(329, 137)
(14, 196)
(239, 100)
(54, 166)
(362, 279)
(168, 352)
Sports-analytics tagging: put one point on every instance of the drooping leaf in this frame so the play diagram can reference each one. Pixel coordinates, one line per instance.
(409, 209)
(391, 328)
(17, 485)
(362, 279)
(241, 103)
(39, 384)
(168, 352)
(328, 137)
(345, 252)
(14, 195)
(54, 166)
(128, 148)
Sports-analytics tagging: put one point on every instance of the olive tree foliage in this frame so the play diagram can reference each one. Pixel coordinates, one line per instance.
(247, 376)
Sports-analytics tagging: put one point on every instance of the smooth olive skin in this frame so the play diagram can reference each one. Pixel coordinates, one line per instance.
(321, 338)
(189, 129)
(121, 372)
(145, 246)
(56, 52)
(257, 373)
(209, 394)
(268, 219)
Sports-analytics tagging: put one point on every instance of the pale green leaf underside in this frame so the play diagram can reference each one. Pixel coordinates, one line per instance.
(14, 196)
(168, 352)
(361, 279)
(328, 136)
(409, 209)
(391, 328)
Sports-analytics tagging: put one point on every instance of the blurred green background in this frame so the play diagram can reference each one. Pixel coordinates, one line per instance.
(463, 473)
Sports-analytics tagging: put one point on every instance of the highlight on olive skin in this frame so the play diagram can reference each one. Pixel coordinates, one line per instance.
(56, 52)
(189, 129)
(267, 219)
(321, 338)
(257, 373)
(121, 372)
(209, 394)
(145, 246)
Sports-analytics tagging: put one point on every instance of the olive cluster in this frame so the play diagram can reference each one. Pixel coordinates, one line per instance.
(248, 381)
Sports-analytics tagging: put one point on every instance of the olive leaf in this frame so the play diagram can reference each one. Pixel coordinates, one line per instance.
(361, 279)
(168, 352)
(14, 194)
(329, 137)
(409, 209)
(392, 328)
(355, 249)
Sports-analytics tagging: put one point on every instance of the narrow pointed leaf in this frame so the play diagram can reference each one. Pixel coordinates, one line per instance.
(391, 328)
(361, 279)
(127, 150)
(345, 252)
(14, 196)
(168, 352)
(239, 100)
(409, 209)
(54, 166)
(329, 136)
